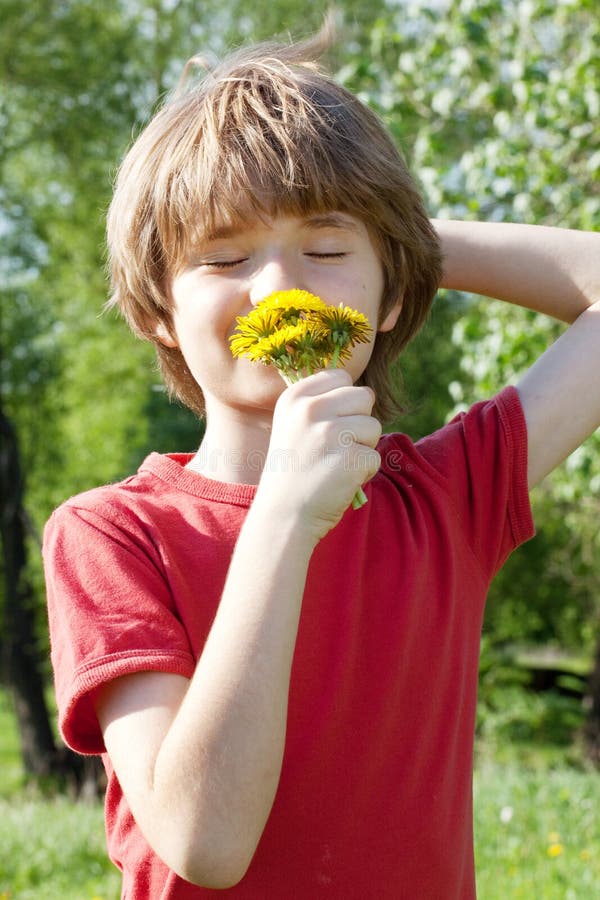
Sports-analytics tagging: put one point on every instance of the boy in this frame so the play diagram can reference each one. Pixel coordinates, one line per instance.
(283, 689)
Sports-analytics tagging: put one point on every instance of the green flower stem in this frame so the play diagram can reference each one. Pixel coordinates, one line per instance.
(335, 356)
(359, 499)
(290, 376)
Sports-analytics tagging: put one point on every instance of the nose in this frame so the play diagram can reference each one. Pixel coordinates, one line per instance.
(273, 275)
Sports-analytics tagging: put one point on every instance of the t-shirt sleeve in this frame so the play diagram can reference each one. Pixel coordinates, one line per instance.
(480, 458)
(110, 613)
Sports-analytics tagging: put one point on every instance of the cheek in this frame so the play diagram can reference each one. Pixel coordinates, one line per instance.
(369, 291)
(360, 359)
(197, 321)
(199, 344)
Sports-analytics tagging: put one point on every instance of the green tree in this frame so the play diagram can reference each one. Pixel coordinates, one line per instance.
(64, 115)
(496, 104)
(76, 79)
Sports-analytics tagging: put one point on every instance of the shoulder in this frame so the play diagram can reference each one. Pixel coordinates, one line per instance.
(488, 429)
(125, 503)
(474, 466)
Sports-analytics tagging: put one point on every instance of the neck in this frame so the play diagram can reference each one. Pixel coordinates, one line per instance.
(234, 446)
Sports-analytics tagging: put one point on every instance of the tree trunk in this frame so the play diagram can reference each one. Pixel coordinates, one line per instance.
(21, 662)
(592, 725)
(22, 669)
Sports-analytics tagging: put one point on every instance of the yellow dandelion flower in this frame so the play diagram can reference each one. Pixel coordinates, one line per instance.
(293, 300)
(277, 346)
(343, 327)
(335, 355)
(299, 334)
(258, 324)
(555, 850)
(346, 326)
(354, 324)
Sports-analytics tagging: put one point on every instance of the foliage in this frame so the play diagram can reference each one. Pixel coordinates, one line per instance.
(495, 104)
(510, 713)
(74, 86)
(428, 368)
(76, 82)
(67, 113)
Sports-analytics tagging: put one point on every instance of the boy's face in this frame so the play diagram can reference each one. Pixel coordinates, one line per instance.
(329, 254)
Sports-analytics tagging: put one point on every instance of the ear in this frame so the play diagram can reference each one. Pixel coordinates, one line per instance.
(164, 335)
(391, 317)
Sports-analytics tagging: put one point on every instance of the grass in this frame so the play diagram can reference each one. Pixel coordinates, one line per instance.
(11, 771)
(50, 846)
(537, 829)
(54, 848)
(537, 833)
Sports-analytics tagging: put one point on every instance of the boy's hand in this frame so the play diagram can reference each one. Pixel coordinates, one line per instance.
(200, 760)
(321, 449)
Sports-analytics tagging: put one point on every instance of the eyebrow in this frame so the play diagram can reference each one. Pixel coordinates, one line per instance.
(332, 220)
(313, 222)
(222, 231)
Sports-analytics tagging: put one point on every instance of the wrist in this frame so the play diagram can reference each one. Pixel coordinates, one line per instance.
(280, 519)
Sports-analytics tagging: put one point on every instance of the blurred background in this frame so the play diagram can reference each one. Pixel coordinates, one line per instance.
(496, 105)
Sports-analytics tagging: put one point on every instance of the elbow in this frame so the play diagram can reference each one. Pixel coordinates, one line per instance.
(209, 849)
(215, 880)
(213, 874)
(215, 877)
(212, 867)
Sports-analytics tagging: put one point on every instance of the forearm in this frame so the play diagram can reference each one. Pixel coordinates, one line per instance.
(199, 760)
(220, 761)
(549, 270)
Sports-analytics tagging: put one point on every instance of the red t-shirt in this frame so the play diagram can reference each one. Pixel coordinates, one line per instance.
(374, 799)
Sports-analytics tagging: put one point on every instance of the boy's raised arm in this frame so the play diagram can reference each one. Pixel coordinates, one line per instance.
(557, 272)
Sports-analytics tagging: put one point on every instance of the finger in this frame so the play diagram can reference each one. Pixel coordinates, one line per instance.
(338, 402)
(363, 460)
(350, 401)
(321, 382)
(361, 430)
(374, 465)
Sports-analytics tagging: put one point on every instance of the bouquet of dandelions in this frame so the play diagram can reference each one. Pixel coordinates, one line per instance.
(299, 334)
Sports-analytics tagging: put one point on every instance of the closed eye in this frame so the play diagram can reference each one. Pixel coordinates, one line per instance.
(339, 255)
(223, 263)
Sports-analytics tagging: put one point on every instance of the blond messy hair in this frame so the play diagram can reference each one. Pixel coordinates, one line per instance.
(266, 133)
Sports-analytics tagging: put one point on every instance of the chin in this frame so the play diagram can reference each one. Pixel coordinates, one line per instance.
(267, 399)
(261, 393)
